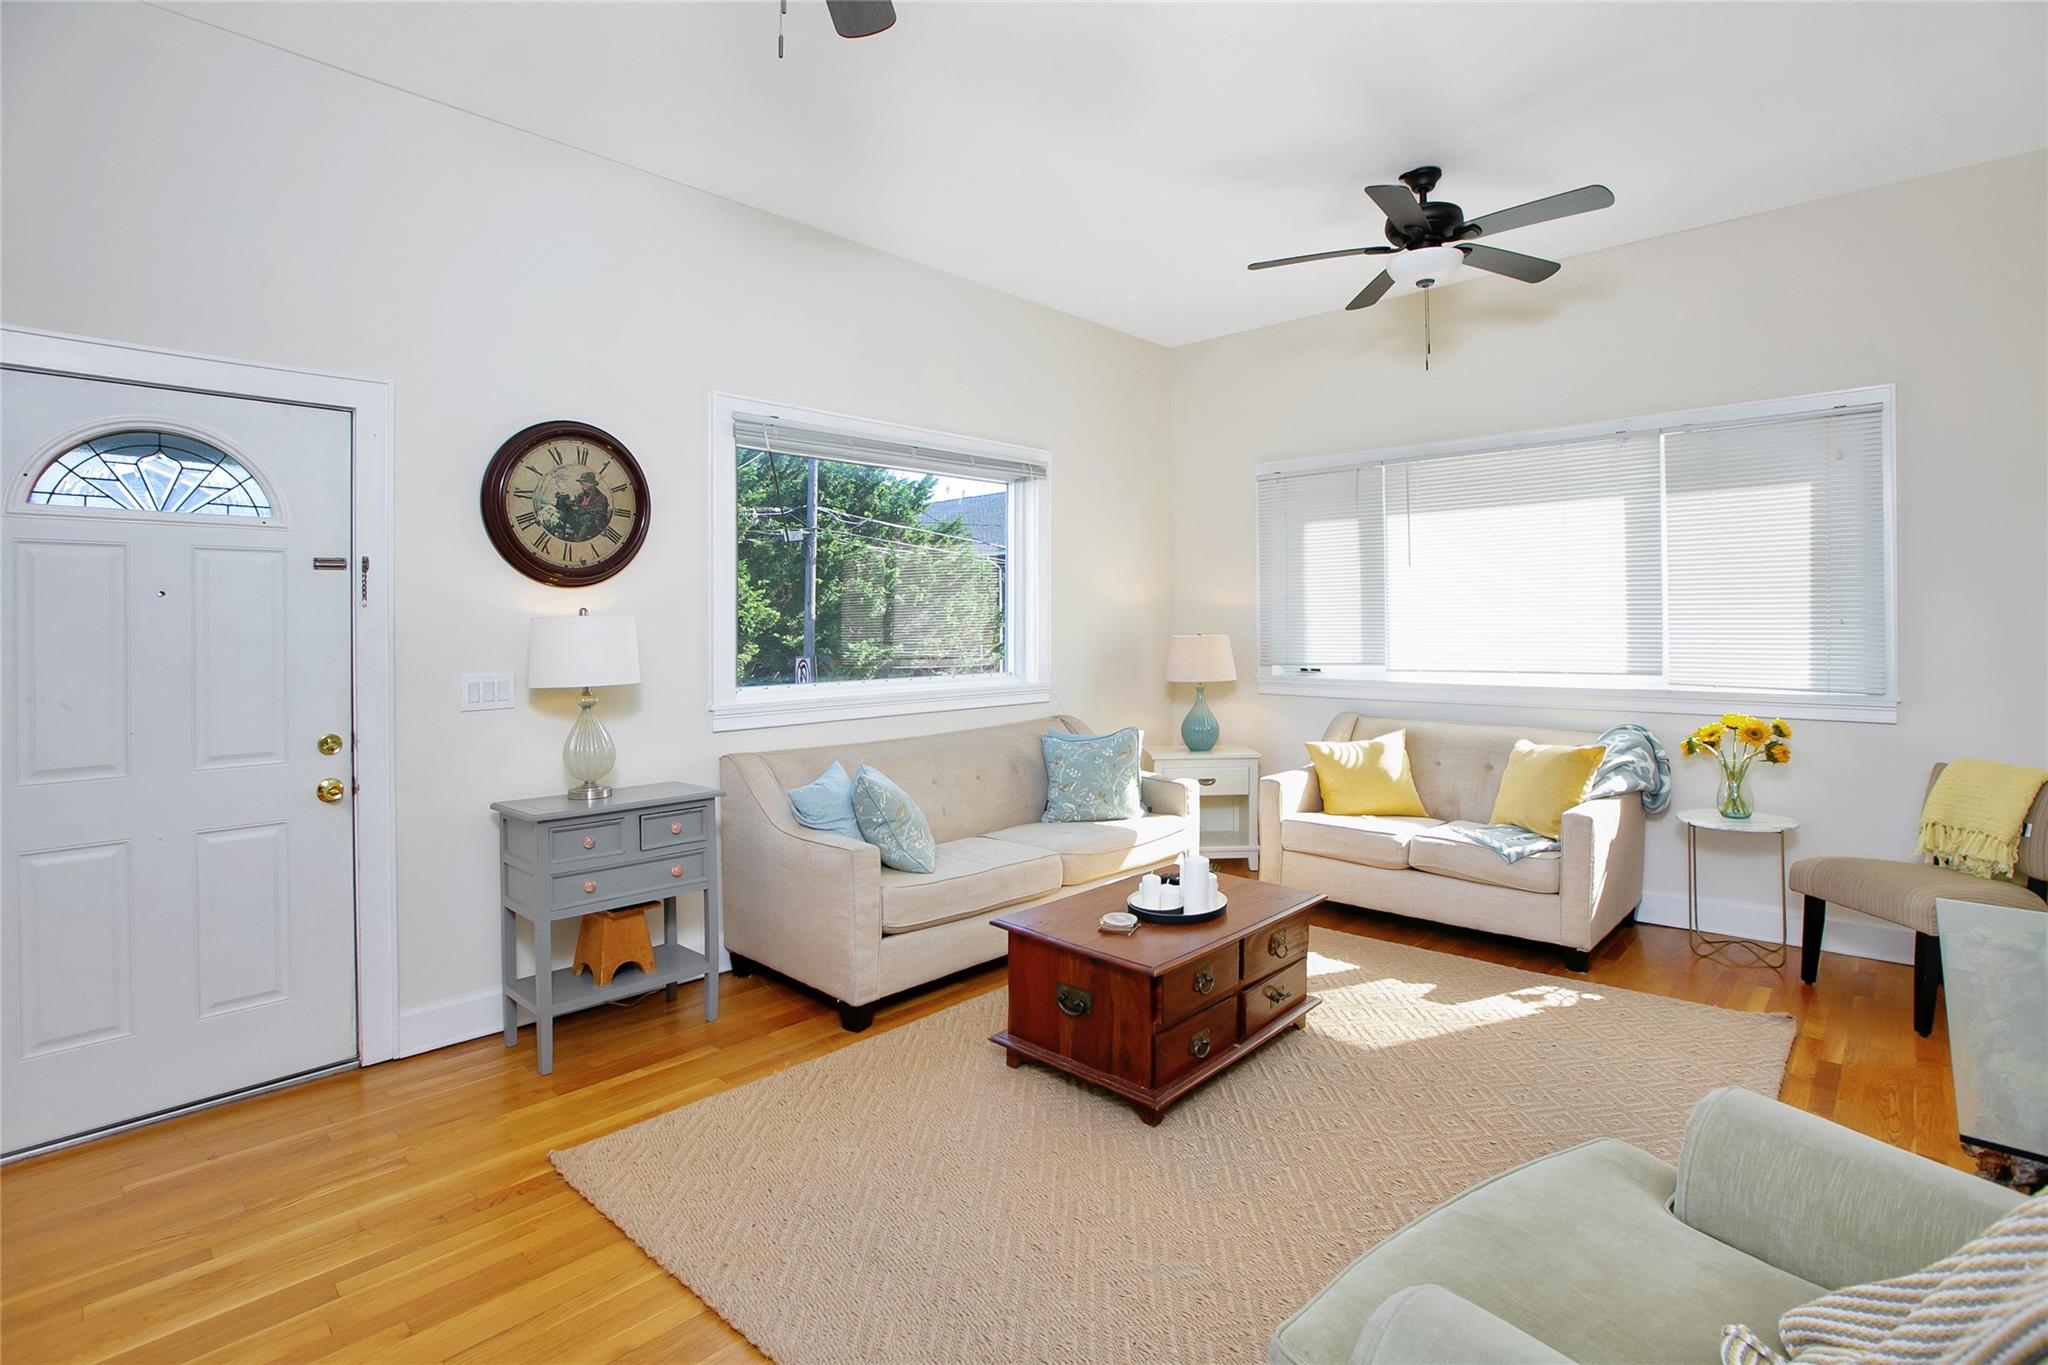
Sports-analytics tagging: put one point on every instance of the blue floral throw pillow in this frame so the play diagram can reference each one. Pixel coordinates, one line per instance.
(891, 821)
(827, 803)
(1092, 777)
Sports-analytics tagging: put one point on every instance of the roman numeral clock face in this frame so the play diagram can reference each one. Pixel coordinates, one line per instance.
(565, 503)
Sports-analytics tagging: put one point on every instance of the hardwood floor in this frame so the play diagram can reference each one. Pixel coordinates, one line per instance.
(407, 1212)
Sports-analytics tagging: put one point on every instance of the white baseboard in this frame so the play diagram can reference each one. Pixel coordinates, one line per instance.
(460, 1018)
(1848, 933)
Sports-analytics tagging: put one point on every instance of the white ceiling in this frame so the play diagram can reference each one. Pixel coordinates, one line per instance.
(1123, 162)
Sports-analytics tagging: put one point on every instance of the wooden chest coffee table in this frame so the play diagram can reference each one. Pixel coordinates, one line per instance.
(1153, 1015)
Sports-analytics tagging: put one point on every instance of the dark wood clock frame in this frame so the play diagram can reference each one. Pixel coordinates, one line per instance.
(504, 536)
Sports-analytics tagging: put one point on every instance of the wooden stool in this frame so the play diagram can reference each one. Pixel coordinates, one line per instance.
(609, 939)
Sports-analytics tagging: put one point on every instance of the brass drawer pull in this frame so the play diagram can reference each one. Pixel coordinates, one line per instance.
(1199, 1044)
(1205, 981)
(1206, 781)
(1276, 993)
(1072, 1000)
(1276, 946)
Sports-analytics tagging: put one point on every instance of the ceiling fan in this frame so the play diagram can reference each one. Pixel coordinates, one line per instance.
(852, 19)
(1430, 239)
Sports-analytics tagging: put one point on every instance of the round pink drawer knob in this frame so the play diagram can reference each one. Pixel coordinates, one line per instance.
(676, 871)
(589, 842)
(676, 828)
(589, 887)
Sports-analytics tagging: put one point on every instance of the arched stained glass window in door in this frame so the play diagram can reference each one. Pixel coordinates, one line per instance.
(151, 471)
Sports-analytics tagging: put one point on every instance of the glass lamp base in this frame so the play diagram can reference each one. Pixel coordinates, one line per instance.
(588, 753)
(589, 791)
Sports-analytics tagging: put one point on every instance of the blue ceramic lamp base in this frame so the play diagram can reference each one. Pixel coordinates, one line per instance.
(1199, 730)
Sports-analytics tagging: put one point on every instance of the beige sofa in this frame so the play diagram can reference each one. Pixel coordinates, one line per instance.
(821, 908)
(1408, 865)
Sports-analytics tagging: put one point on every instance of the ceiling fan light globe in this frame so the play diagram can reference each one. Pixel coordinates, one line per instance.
(1426, 266)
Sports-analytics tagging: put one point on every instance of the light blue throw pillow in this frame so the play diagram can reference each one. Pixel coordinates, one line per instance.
(1092, 777)
(827, 803)
(891, 821)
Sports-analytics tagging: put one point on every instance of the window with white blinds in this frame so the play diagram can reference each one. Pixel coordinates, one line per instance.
(1728, 554)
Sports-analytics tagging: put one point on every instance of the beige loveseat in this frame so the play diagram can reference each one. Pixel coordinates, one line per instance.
(821, 907)
(1416, 867)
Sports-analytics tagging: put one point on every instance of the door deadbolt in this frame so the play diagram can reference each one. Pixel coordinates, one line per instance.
(330, 744)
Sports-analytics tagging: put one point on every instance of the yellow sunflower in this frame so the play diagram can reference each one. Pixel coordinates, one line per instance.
(1777, 751)
(1753, 732)
(1781, 729)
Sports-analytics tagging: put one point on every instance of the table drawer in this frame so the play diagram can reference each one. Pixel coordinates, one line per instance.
(684, 872)
(670, 828)
(1213, 779)
(1197, 986)
(586, 841)
(1273, 948)
(1283, 990)
(1192, 1042)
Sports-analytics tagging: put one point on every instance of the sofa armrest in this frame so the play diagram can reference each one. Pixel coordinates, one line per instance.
(1602, 876)
(1174, 796)
(800, 900)
(1288, 792)
(1426, 1324)
(1821, 1201)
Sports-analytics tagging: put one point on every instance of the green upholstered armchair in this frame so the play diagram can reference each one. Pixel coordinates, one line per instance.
(1603, 1253)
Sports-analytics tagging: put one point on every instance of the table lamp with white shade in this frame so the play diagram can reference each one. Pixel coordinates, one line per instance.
(585, 651)
(1200, 659)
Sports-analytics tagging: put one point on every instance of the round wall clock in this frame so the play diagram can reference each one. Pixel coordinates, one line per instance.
(565, 503)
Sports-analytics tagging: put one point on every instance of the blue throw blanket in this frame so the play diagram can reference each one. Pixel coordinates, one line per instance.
(1635, 762)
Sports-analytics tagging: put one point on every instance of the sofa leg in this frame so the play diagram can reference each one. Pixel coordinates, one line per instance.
(856, 1018)
(1926, 978)
(1809, 942)
(1578, 960)
(742, 966)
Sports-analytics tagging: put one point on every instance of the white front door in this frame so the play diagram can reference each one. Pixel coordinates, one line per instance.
(178, 897)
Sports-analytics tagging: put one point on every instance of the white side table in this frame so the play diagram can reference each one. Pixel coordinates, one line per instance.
(1716, 945)
(1228, 779)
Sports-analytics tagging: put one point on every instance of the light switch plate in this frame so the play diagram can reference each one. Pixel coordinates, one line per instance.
(486, 692)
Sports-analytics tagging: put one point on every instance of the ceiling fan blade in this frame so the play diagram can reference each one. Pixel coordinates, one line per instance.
(1582, 200)
(861, 18)
(1372, 293)
(1324, 256)
(1513, 264)
(1399, 204)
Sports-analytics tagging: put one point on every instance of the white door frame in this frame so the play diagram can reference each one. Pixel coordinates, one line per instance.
(368, 401)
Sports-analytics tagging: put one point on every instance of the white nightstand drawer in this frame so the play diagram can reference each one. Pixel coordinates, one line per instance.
(1214, 779)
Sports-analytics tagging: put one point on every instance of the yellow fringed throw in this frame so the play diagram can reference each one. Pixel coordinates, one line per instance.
(1973, 817)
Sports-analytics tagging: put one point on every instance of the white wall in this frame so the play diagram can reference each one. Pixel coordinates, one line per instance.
(172, 185)
(1867, 289)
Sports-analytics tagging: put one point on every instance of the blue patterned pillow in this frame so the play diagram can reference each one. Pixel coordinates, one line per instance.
(1092, 777)
(891, 821)
(827, 803)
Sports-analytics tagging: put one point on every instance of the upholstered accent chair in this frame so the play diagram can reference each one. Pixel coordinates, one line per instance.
(1905, 892)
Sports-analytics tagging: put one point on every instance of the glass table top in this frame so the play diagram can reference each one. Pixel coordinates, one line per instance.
(1994, 963)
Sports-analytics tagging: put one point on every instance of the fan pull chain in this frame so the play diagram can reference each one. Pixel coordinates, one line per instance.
(1425, 331)
(778, 29)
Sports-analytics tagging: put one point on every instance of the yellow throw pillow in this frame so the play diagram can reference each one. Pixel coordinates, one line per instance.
(1367, 777)
(1542, 782)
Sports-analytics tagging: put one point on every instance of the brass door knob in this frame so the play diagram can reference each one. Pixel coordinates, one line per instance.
(329, 744)
(329, 790)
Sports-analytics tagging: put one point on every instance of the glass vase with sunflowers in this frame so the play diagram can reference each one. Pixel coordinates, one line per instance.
(1736, 742)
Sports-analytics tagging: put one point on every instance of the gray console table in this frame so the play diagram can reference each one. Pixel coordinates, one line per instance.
(563, 859)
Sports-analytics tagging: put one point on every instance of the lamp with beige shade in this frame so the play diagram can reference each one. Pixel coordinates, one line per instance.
(585, 651)
(1200, 659)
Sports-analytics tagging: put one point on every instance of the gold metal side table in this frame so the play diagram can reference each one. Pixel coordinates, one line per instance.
(1718, 945)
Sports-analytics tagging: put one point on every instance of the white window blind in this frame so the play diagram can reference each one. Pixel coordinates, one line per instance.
(1736, 552)
(795, 438)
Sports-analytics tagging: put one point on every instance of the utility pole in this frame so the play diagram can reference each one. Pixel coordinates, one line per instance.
(807, 666)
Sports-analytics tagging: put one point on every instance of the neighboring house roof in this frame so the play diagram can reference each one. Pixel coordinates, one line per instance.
(986, 515)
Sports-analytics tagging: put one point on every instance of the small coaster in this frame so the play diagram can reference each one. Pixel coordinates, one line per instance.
(1119, 922)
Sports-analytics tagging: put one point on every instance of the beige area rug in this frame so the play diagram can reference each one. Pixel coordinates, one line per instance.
(911, 1199)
